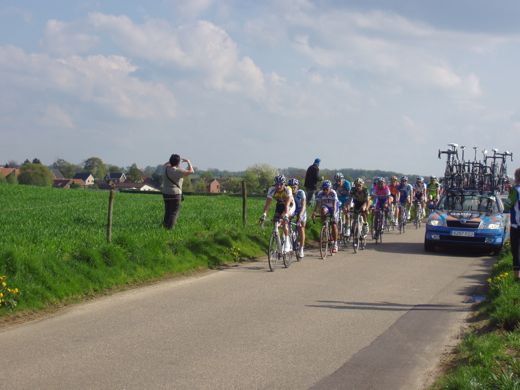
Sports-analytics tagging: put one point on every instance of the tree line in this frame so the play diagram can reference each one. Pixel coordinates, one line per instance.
(258, 178)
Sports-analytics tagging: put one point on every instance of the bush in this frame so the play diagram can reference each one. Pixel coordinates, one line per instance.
(11, 178)
(35, 174)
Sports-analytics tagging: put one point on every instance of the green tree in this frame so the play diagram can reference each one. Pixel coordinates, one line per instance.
(259, 178)
(35, 174)
(11, 178)
(114, 169)
(66, 168)
(96, 167)
(232, 184)
(201, 186)
(157, 176)
(187, 184)
(134, 174)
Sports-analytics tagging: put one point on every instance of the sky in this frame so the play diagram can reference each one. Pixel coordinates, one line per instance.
(368, 84)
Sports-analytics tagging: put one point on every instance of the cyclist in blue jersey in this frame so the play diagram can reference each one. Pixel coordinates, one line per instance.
(327, 202)
(405, 195)
(343, 188)
(300, 213)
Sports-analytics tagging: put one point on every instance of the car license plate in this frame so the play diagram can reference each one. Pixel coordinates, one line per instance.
(462, 233)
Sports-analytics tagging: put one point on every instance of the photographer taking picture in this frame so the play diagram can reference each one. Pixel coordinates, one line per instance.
(173, 178)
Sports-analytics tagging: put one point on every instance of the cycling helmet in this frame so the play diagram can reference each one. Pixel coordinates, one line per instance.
(339, 176)
(293, 182)
(326, 184)
(280, 179)
(382, 180)
(420, 178)
(393, 178)
(404, 178)
(433, 178)
(359, 181)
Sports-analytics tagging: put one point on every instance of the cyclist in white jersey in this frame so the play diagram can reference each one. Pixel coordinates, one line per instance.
(300, 213)
(327, 201)
(419, 192)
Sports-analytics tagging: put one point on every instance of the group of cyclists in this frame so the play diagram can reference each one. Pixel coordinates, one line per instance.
(341, 197)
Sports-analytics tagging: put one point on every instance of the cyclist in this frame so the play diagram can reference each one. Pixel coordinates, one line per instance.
(405, 196)
(394, 182)
(342, 188)
(285, 206)
(301, 211)
(433, 190)
(381, 197)
(327, 201)
(359, 196)
(419, 193)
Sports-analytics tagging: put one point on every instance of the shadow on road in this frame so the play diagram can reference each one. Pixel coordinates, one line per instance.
(417, 248)
(386, 306)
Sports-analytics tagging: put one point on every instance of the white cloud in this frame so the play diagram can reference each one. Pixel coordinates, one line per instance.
(105, 81)
(202, 47)
(64, 38)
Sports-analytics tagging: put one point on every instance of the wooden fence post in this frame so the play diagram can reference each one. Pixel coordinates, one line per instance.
(110, 208)
(244, 203)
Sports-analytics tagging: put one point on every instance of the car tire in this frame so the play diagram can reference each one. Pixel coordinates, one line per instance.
(428, 246)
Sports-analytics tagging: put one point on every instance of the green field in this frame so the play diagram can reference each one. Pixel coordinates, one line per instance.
(53, 244)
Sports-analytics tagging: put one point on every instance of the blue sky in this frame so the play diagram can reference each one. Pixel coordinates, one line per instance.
(361, 84)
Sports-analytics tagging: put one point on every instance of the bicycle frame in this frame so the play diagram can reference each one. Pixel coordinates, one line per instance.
(275, 252)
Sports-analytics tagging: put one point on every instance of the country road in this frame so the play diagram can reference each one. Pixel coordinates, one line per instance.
(378, 319)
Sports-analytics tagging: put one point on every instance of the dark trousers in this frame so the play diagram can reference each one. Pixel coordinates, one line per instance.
(172, 205)
(515, 238)
(309, 193)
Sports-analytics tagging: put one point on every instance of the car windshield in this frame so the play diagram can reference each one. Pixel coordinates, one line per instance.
(469, 202)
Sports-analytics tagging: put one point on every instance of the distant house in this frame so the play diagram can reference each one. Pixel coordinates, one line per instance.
(115, 177)
(57, 173)
(129, 187)
(62, 183)
(86, 178)
(7, 171)
(214, 187)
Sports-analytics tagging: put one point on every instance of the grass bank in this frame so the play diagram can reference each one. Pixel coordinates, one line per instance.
(489, 355)
(53, 247)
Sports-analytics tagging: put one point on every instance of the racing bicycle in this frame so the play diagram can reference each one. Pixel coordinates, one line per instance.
(276, 255)
(403, 215)
(326, 242)
(358, 239)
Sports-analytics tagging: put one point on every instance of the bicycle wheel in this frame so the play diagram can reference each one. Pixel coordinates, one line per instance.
(324, 241)
(331, 241)
(273, 256)
(376, 231)
(287, 257)
(355, 236)
(296, 245)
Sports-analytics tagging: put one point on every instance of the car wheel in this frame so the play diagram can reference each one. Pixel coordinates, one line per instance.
(428, 246)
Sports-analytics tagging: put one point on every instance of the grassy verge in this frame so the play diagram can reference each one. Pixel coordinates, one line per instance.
(489, 355)
(53, 248)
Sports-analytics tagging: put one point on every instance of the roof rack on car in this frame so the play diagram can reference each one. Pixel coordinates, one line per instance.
(486, 175)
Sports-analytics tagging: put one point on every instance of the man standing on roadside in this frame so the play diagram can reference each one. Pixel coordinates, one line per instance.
(311, 180)
(514, 204)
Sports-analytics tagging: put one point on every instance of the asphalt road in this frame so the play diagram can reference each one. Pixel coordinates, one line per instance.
(379, 319)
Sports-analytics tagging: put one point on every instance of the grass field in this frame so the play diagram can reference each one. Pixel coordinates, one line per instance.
(53, 244)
